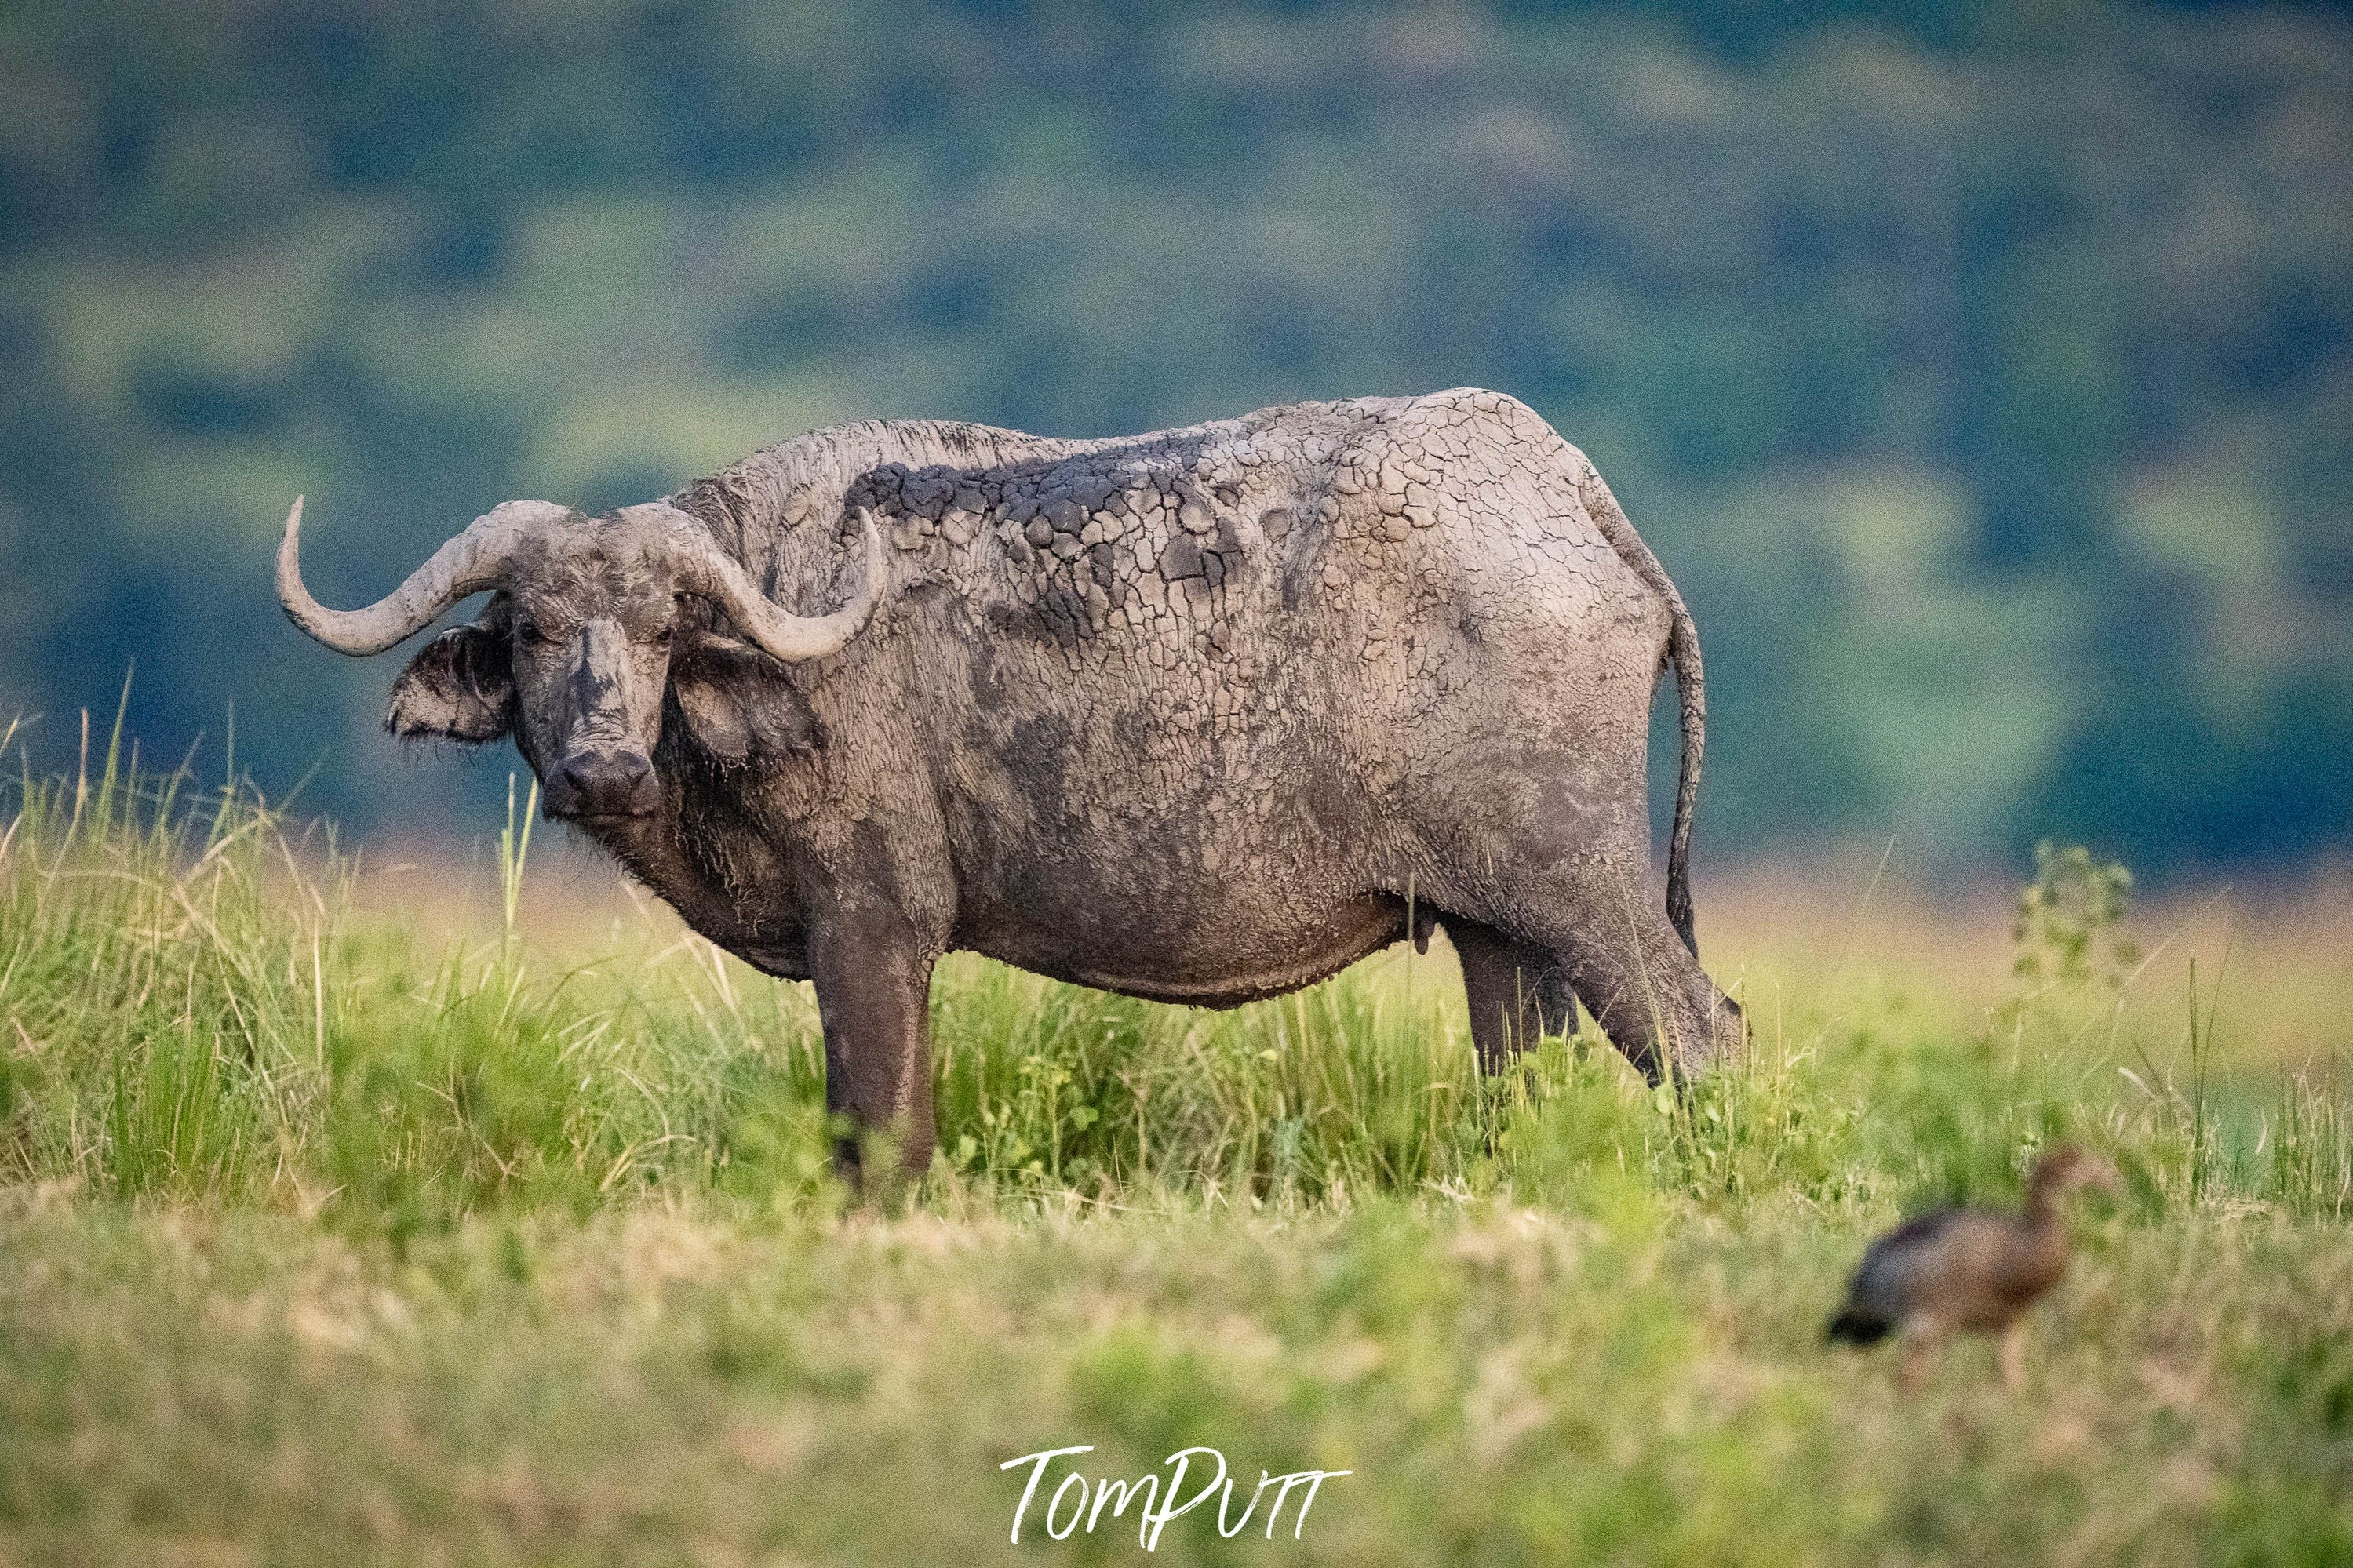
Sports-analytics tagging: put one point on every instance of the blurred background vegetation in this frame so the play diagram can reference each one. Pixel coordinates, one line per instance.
(1983, 372)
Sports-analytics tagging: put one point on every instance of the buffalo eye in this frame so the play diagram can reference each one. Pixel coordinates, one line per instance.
(661, 637)
(531, 634)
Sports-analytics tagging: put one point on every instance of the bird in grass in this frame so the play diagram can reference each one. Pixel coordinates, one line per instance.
(1958, 1270)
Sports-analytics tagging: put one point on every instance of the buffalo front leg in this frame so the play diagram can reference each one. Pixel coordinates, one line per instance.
(873, 984)
(1518, 992)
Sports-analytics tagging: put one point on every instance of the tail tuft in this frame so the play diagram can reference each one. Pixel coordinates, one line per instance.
(1691, 692)
(1856, 1328)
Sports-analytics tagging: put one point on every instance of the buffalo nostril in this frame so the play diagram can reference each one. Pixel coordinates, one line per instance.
(606, 784)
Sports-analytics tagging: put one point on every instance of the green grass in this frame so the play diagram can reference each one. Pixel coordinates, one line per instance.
(322, 1239)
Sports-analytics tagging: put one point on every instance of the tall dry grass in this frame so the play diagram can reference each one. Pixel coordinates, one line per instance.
(196, 1005)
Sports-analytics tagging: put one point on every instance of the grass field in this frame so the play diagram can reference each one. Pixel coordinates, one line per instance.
(362, 1213)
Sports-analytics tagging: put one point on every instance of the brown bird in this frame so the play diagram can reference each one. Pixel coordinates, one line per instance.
(1968, 1269)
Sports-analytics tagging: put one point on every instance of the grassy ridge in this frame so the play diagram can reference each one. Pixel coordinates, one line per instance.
(323, 1238)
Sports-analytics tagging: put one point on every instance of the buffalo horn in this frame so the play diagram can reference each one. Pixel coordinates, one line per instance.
(466, 565)
(710, 572)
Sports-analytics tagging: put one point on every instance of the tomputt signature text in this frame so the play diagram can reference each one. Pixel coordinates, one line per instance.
(1076, 1501)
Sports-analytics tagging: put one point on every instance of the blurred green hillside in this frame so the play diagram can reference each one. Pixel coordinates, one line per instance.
(1984, 373)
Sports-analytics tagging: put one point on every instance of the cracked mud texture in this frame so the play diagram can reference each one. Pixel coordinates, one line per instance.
(1194, 714)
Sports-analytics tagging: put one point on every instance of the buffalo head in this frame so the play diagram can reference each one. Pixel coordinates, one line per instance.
(574, 654)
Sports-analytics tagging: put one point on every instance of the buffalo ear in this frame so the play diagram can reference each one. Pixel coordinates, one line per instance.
(738, 705)
(460, 686)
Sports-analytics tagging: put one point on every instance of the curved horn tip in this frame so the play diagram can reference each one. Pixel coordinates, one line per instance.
(860, 610)
(293, 527)
(465, 565)
(291, 591)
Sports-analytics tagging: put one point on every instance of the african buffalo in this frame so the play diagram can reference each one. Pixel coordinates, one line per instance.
(1201, 716)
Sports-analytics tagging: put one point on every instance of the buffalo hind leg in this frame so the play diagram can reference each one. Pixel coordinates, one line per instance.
(1646, 990)
(873, 984)
(1517, 990)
